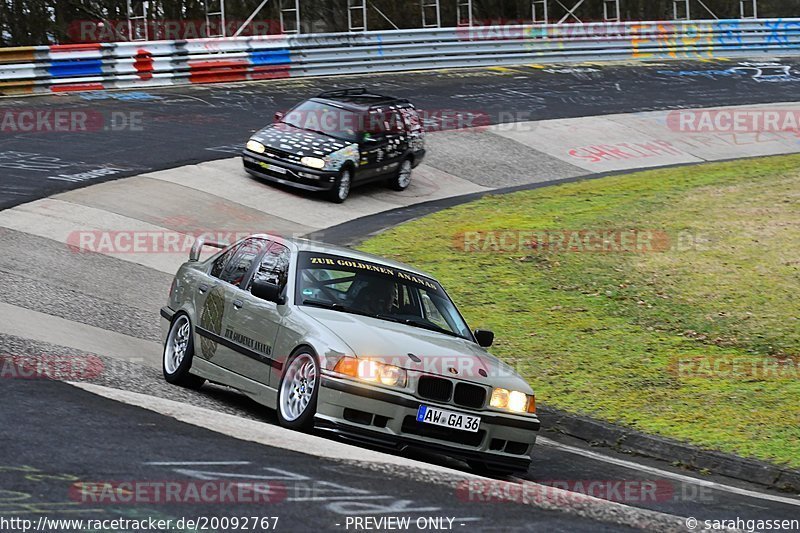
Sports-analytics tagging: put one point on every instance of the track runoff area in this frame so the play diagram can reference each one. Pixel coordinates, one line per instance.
(119, 441)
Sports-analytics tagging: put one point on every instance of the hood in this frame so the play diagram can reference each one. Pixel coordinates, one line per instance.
(283, 138)
(439, 354)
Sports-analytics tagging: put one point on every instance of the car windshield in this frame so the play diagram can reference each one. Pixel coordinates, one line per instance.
(326, 119)
(386, 293)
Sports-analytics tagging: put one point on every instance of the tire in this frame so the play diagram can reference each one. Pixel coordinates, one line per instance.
(483, 469)
(402, 179)
(341, 189)
(298, 391)
(176, 361)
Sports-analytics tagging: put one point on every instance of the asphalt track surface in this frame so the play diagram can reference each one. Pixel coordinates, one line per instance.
(62, 431)
(132, 132)
(44, 462)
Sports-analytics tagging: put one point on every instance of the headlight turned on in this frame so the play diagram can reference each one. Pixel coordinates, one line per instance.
(313, 162)
(255, 146)
(372, 371)
(515, 401)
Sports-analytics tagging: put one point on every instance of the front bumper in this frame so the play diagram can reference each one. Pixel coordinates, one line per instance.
(298, 176)
(388, 418)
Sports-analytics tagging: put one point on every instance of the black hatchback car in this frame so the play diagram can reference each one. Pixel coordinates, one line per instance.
(339, 140)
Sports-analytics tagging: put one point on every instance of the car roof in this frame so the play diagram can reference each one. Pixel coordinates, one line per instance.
(307, 245)
(358, 99)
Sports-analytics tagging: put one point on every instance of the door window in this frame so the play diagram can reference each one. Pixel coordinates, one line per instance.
(238, 266)
(274, 267)
(222, 261)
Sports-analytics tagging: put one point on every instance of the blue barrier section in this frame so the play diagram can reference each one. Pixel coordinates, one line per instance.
(75, 68)
(271, 57)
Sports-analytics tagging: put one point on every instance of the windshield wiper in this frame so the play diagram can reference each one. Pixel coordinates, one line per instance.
(391, 318)
(324, 304)
(420, 324)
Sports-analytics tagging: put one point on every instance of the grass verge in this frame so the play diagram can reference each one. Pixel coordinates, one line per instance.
(695, 339)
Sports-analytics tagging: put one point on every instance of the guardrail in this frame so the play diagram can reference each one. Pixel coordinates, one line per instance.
(86, 67)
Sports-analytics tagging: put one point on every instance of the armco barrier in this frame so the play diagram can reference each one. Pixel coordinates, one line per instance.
(57, 68)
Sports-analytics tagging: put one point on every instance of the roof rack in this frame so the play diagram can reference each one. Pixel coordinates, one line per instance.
(353, 91)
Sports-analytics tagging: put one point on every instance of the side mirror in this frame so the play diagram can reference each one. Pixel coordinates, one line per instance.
(484, 337)
(267, 291)
(279, 116)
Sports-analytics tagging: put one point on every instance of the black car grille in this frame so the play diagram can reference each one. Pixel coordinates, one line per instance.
(467, 438)
(433, 388)
(276, 153)
(469, 395)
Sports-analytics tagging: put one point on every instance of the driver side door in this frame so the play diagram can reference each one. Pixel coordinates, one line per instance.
(216, 299)
(254, 323)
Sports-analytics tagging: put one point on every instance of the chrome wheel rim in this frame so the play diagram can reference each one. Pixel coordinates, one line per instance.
(298, 387)
(404, 178)
(177, 344)
(344, 185)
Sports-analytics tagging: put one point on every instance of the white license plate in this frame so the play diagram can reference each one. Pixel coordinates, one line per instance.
(274, 168)
(448, 419)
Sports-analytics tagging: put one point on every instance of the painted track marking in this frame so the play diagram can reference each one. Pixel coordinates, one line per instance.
(665, 473)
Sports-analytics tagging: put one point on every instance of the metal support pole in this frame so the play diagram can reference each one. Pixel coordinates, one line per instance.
(290, 14)
(676, 10)
(704, 6)
(743, 9)
(535, 12)
(219, 14)
(607, 16)
(570, 12)
(139, 32)
(356, 15)
(250, 18)
(427, 7)
(462, 5)
(381, 13)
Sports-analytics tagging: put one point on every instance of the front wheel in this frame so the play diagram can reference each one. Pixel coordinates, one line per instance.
(403, 178)
(341, 189)
(178, 354)
(297, 393)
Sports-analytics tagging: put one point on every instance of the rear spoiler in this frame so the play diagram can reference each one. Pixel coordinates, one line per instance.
(194, 254)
